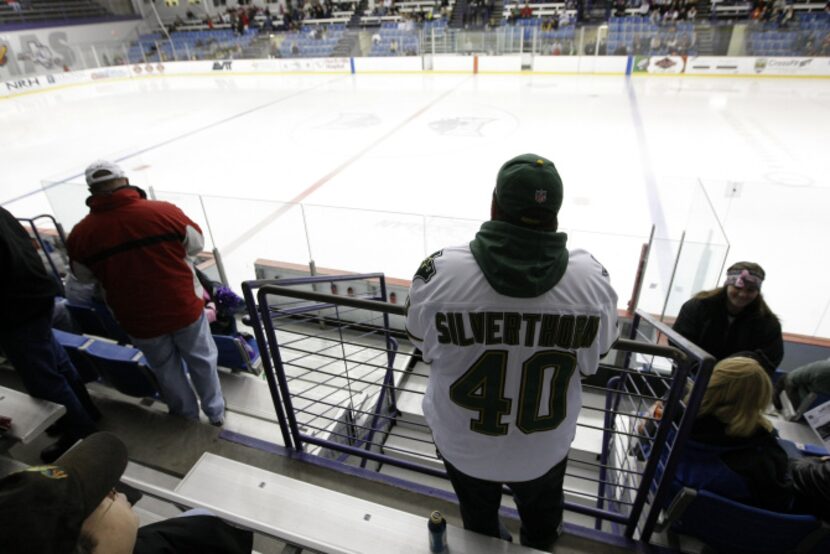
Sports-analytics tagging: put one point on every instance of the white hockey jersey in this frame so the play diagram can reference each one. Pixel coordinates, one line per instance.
(504, 389)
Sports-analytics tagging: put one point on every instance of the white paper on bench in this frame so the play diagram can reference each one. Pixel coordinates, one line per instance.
(318, 518)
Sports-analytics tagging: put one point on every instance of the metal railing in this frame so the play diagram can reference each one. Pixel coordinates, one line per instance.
(49, 247)
(344, 388)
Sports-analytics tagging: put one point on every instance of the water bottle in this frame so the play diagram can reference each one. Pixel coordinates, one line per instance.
(437, 532)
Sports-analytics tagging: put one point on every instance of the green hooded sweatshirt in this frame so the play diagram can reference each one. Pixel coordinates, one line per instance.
(520, 262)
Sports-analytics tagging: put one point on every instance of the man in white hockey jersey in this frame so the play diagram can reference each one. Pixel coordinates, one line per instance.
(510, 323)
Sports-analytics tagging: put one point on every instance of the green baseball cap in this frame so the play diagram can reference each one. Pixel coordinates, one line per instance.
(529, 190)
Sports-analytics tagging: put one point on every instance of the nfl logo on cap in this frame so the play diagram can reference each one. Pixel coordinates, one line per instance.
(541, 196)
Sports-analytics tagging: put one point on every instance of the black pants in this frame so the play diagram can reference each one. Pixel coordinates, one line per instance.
(47, 372)
(539, 502)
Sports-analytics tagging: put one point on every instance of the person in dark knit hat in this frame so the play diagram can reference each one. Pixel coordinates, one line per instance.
(72, 507)
(734, 318)
(505, 321)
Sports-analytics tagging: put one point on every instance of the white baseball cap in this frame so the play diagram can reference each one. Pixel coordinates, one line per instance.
(108, 170)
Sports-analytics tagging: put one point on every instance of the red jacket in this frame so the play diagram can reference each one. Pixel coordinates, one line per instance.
(137, 249)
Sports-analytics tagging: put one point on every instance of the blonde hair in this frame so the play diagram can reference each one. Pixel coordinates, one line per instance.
(738, 392)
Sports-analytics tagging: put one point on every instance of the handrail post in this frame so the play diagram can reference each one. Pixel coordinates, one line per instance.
(267, 367)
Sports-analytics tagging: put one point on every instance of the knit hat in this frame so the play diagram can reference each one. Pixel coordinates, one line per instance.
(740, 276)
(108, 171)
(42, 508)
(529, 190)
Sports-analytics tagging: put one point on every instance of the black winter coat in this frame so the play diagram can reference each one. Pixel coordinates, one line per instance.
(705, 322)
(811, 485)
(758, 460)
(26, 289)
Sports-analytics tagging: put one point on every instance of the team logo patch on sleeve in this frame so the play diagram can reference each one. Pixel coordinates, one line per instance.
(50, 472)
(427, 268)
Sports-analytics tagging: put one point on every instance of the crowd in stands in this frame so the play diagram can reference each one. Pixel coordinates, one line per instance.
(660, 12)
(419, 14)
(241, 19)
(805, 34)
(19, 11)
(647, 27)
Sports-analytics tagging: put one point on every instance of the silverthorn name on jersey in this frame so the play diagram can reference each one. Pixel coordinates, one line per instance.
(514, 328)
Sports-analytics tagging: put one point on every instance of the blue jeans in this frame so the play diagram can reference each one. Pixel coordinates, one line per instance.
(172, 357)
(47, 372)
(539, 502)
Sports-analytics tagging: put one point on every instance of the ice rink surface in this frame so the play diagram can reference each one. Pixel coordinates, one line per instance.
(631, 152)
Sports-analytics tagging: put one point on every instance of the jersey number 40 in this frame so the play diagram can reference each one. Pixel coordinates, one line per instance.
(481, 389)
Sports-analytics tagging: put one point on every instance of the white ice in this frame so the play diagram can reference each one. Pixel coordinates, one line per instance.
(632, 153)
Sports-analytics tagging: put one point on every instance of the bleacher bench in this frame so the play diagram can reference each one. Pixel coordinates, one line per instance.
(317, 518)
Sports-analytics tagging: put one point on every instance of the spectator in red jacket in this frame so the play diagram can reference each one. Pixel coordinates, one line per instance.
(138, 250)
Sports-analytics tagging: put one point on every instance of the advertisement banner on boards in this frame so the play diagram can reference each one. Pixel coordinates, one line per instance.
(324, 65)
(710, 65)
(222, 65)
(152, 68)
(52, 50)
(659, 64)
(117, 72)
(26, 84)
(791, 66)
(23, 85)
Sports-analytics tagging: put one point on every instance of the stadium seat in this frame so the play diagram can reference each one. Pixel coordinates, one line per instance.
(238, 353)
(96, 319)
(74, 346)
(123, 368)
(729, 526)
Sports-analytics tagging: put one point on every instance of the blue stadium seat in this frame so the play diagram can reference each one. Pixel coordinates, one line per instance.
(123, 368)
(96, 319)
(729, 526)
(238, 353)
(74, 346)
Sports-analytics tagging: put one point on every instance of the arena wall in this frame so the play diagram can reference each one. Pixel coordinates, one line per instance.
(53, 76)
(51, 50)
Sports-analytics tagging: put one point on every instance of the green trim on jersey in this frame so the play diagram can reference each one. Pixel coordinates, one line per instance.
(520, 262)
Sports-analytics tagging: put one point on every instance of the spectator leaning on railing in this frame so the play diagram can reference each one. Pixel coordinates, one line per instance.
(139, 250)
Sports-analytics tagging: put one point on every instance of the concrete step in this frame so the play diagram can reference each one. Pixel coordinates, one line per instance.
(151, 510)
(412, 444)
(580, 486)
(415, 445)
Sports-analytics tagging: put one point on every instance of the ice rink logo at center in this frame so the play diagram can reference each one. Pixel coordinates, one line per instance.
(461, 126)
(441, 129)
